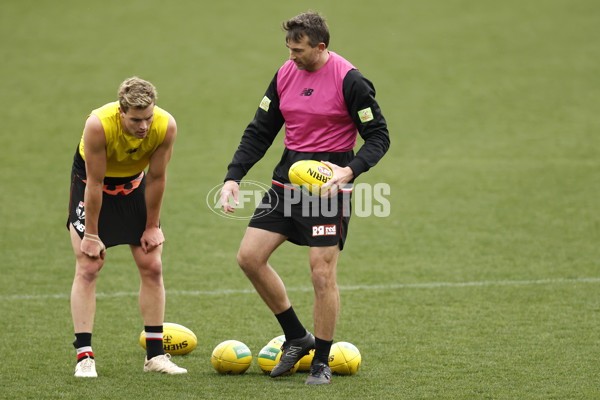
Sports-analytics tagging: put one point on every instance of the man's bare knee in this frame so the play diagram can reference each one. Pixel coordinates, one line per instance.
(88, 270)
(151, 270)
(248, 260)
(323, 278)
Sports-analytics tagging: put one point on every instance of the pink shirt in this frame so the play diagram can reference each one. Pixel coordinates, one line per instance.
(314, 109)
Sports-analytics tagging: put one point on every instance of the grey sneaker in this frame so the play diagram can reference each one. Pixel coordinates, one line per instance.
(291, 352)
(320, 374)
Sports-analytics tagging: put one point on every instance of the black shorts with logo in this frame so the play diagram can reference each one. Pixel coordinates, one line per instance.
(122, 218)
(304, 220)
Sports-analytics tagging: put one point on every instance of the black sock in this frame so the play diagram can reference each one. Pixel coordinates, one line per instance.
(322, 349)
(83, 345)
(292, 328)
(154, 341)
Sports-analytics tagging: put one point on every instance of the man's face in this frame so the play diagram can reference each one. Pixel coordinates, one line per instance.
(137, 121)
(306, 57)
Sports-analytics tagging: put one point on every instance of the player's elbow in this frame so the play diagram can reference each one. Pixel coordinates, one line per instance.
(156, 178)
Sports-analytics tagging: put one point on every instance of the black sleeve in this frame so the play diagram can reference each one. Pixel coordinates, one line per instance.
(258, 136)
(359, 95)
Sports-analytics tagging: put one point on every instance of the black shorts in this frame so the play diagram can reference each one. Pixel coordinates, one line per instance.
(304, 220)
(122, 217)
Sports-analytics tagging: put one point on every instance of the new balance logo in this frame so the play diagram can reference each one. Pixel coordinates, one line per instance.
(293, 351)
(307, 92)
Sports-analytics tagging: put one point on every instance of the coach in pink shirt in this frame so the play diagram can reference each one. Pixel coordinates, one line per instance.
(324, 102)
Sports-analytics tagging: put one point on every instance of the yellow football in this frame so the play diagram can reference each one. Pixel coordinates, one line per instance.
(344, 358)
(304, 363)
(231, 357)
(277, 341)
(177, 339)
(309, 175)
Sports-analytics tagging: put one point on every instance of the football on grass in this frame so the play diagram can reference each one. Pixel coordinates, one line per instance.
(344, 358)
(304, 363)
(177, 339)
(309, 175)
(231, 357)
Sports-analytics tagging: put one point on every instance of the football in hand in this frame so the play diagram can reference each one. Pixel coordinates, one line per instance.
(309, 175)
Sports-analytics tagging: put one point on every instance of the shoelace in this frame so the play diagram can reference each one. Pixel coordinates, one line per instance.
(166, 360)
(86, 365)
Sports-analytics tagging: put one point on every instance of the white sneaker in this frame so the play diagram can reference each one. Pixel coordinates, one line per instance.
(86, 368)
(164, 364)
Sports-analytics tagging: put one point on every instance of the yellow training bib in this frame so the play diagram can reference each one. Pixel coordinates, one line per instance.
(127, 155)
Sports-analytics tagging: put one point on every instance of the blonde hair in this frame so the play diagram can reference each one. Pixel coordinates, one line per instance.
(137, 93)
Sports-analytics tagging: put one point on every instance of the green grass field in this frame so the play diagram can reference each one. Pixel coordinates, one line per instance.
(483, 283)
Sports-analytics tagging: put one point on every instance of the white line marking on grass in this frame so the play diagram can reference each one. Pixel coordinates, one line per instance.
(393, 286)
(428, 285)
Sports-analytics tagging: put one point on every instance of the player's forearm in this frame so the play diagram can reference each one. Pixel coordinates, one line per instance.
(155, 189)
(92, 204)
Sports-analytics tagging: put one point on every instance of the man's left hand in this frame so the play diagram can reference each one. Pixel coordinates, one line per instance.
(151, 239)
(341, 176)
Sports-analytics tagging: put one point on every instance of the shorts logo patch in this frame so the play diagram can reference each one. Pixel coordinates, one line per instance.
(265, 103)
(79, 223)
(365, 115)
(324, 230)
(80, 211)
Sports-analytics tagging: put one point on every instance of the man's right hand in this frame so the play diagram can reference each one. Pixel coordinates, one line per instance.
(229, 188)
(92, 246)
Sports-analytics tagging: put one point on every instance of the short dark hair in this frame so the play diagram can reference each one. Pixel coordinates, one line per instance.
(311, 24)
